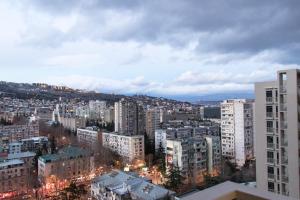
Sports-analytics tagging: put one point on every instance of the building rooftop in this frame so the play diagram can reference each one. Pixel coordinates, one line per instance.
(21, 155)
(121, 183)
(7, 163)
(66, 153)
(229, 190)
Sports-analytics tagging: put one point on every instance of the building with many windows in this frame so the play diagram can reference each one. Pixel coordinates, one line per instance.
(129, 117)
(129, 147)
(89, 135)
(13, 177)
(237, 130)
(277, 127)
(69, 163)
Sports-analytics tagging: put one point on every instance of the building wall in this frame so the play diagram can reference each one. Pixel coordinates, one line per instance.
(277, 138)
(129, 147)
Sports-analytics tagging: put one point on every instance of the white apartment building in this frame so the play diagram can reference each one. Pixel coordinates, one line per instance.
(97, 109)
(89, 135)
(160, 138)
(277, 128)
(237, 130)
(129, 147)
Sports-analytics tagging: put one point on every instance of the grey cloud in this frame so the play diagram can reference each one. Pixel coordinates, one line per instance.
(231, 26)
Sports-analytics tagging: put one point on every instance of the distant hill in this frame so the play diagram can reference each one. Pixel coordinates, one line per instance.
(52, 92)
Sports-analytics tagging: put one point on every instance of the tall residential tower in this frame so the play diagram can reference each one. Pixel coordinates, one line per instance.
(237, 130)
(277, 123)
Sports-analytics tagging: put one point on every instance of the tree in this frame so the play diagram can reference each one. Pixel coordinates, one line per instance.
(73, 192)
(52, 145)
(161, 159)
(174, 178)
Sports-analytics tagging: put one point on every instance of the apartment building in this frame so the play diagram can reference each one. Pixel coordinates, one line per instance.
(109, 114)
(97, 109)
(120, 186)
(129, 147)
(160, 138)
(277, 123)
(129, 117)
(71, 122)
(89, 135)
(195, 156)
(237, 130)
(13, 177)
(69, 163)
(152, 122)
(13, 133)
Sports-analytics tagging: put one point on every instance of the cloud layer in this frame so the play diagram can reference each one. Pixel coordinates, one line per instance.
(158, 47)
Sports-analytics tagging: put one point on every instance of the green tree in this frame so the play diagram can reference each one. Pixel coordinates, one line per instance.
(174, 178)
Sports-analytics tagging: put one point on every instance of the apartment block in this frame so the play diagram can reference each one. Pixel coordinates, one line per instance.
(195, 156)
(237, 130)
(13, 177)
(152, 122)
(69, 163)
(129, 117)
(277, 123)
(89, 135)
(129, 147)
(13, 133)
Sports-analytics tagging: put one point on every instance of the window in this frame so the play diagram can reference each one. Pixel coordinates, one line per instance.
(271, 186)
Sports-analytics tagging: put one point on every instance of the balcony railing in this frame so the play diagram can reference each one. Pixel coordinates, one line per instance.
(271, 176)
(283, 89)
(283, 125)
(270, 160)
(269, 99)
(270, 114)
(285, 178)
(270, 129)
(284, 161)
(270, 145)
(283, 107)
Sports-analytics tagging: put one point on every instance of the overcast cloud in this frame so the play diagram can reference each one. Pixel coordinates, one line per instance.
(174, 47)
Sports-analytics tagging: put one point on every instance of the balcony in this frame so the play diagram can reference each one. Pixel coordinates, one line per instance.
(284, 142)
(283, 107)
(269, 99)
(271, 176)
(284, 161)
(270, 129)
(270, 160)
(270, 115)
(270, 145)
(283, 125)
(283, 89)
(285, 178)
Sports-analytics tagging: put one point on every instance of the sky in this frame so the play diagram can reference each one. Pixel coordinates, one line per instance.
(155, 47)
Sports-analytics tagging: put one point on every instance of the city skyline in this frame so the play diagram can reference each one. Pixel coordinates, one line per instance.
(190, 48)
